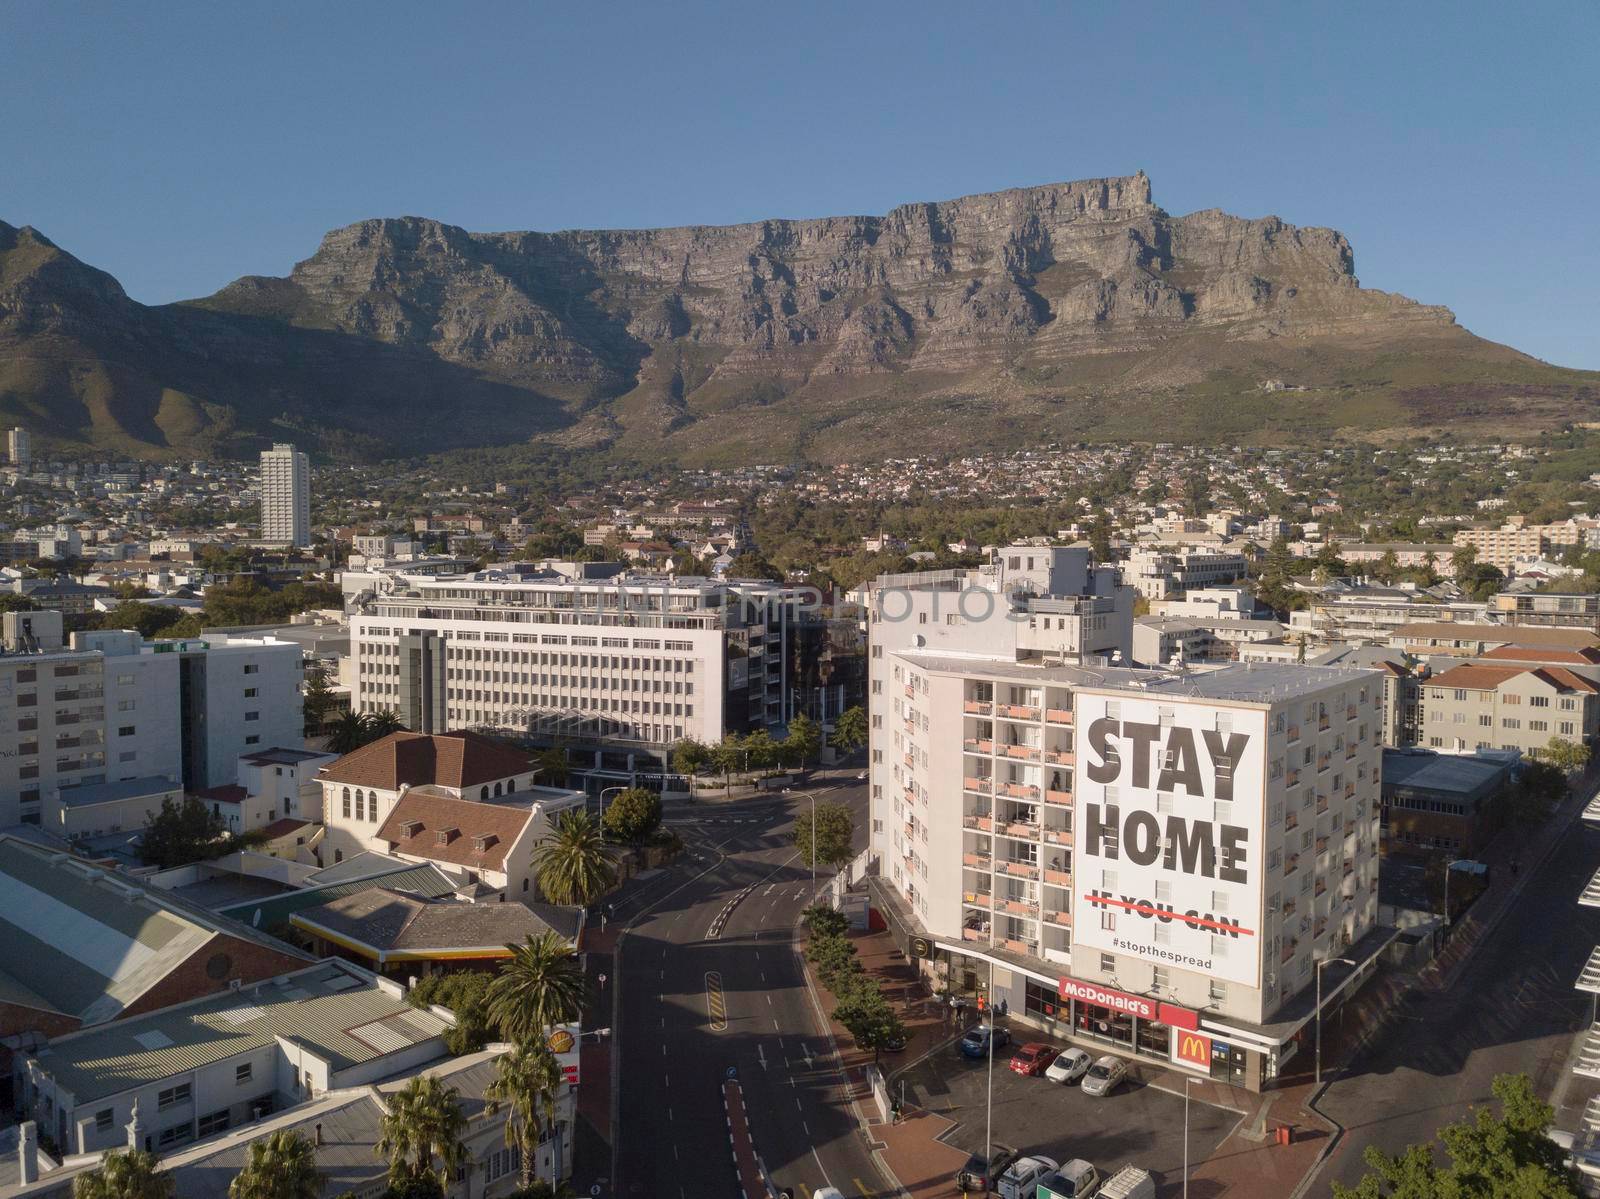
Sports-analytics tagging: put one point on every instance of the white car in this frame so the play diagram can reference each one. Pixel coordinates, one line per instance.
(1105, 1076)
(1021, 1180)
(1070, 1067)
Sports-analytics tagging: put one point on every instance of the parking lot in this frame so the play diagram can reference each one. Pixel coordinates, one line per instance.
(1137, 1125)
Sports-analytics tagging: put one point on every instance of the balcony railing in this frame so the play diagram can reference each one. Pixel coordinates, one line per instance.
(977, 705)
(1291, 820)
(1029, 830)
(1060, 918)
(1022, 870)
(982, 824)
(1027, 752)
(1058, 715)
(1021, 907)
(974, 934)
(911, 760)
(1023, 947)
(978, 745)
(911, 692)
(1058, 836)
(1322, 804)
(1059, 877)
(977, 899)
(1019, 712)
(978, 861)
(982, 786)
(1294, 732)
(1291, 864)
(1063, 798)
(1021, 790)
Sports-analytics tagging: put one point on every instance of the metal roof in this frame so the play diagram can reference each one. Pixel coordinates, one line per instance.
(426, 880)
(1589, 980)
(334, 1010)
(93, 793)
(1588, 1060)
(1591, 893)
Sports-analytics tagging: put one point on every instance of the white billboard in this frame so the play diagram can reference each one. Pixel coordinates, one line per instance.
(1167, 820)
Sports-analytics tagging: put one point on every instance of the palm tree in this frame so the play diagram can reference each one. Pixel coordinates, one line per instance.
(381, 723)
(281, 1166)
(347, 733)
(422, 1122)
(573, 863)
(539, 986)
(124, 1175)
(528, 1081)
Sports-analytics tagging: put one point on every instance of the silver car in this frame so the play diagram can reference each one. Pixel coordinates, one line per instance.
(1105, 1076)
(1072, 1065)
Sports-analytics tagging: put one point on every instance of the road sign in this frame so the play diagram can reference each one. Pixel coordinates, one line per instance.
(920, 948)
(733, 1071)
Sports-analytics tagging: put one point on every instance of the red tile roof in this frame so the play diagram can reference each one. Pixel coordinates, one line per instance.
(1566, 679)
(1587, 656)
(414, 826)
(454, 760)
(1477, 678)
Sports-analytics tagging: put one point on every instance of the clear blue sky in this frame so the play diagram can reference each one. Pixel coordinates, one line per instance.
(180, 145)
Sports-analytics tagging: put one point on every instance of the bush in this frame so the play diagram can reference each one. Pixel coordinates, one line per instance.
(822, 921)
(464, 992)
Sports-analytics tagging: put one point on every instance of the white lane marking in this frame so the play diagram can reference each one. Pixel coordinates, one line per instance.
(761, 1055)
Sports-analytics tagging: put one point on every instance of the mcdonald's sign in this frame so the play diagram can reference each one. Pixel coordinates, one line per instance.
(1191, 1049)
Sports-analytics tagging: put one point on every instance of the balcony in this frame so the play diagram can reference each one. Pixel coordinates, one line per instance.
(1059, 798)
(1058, 836)
(1293, 778)
(982, 824)
(1028, 753)
(978, 899)
(1349, 868)
(981, 786)
(1021, 907)
(1018, 712)
(974, 934)
(1323, 762)
(980, 706)
(1322, 845)
(1020, 790)
(911, 831)
(978, 745)
(1291, 864)
(1060, 757)
(1320, 889)
(977, 861)
(1062, 918)
(1058, 715)
(1022, 870)
(1294, 732)
(1322, 804)
(911, 761)
(1288, 950)
(1289, 906)
(1022, 947)
(911, 692)
(1059, 877)
(1291, 820)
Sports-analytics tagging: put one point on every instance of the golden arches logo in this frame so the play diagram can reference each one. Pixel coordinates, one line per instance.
(1194, 1048)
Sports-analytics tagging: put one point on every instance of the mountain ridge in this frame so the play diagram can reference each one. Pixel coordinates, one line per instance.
(1063, 311)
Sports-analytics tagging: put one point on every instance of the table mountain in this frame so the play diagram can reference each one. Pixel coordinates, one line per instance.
(1071, 310)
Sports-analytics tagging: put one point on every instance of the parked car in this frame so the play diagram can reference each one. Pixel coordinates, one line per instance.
(980, 1174)
(1130, 1182)
(976, 1043)
(1069, 1067)
(1105, 1076)
(1021, 1181)
(1033, 1058)
(1075, 1180)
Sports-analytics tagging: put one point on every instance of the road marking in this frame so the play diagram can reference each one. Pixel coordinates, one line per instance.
(861, 1187)
(663, 1051)
(763, 976)
(716, 1004)
(806, 1128)
(769, 998)
(666, 1079)
(797, 1106)
(825, 1177)
(761, 1055)
(669, 1113)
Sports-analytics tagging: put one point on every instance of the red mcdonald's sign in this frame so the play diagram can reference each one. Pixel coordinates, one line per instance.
(1191, 1048)
(1137, 1005)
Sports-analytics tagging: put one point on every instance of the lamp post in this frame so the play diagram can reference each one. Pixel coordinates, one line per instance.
(812, 797)
(1449, 866)
(1187, 1083)
(604, 791)
(988, 1115)
(1320, 965)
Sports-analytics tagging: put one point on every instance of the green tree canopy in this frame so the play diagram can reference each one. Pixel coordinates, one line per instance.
(527, 1082)
(804, 739)
(850, 729)
(124, 1174)
(540, 985)
(689, 755)
(573, 864)
(633, 815)
(1508, 1155)
(835, 829)
(422, 1124)
(184, 832)
(280, 1166)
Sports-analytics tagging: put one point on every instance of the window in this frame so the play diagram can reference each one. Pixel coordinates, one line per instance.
(126, 730)
(253, 739)
(1161, 979)
(103, 1119)
(172, 1096)
(214, 1123)
(178, 1134)
(251, 692)
(252, 668)
(252, 715)
(1108, 963)
(242, 1073)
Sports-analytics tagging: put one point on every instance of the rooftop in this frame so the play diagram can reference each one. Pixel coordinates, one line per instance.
(459, 759)
(462, 832)
(97, 793)
(411, 878)
(1462, 775)
(393, 926)
(1542, 636)
(335, 1010)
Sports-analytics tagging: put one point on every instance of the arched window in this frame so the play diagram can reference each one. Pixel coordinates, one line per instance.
(497, 790)
(347, 803)
(511, 785)
(524, 885)
(372, 806)
(483, 793)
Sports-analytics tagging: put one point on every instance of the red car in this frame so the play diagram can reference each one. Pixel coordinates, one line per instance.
(1034, 1058)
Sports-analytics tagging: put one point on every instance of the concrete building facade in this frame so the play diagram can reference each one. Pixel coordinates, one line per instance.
(285, 496)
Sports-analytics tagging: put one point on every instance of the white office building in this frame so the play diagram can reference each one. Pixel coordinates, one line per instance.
(19, 450)
(1149, 861)
(620, 668)
(285, 496)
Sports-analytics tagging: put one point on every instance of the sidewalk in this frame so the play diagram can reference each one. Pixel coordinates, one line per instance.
(592, 1136)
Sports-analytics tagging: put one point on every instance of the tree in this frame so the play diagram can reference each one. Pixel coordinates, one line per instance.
(822, 921)
(573, 864)
(804, 739)
(349, 733)
(761, 752)
(1481, 580)
(727, 756)
(10, 601)
(633, 815)
(834, 832)
(422, 1123)
(1504, 1156)
(850, 729)
(1388, 567)
(466, 993)
(539, 986)
(129, 1174)
(834, 956)
(381, 723)
(318, 699)
(149, 619)
(181, 833)
(1462, 560)
(553, 766)
(527, 1081)
(869, 1018)
(689, 755)
(1566, 755)
(280, 1166)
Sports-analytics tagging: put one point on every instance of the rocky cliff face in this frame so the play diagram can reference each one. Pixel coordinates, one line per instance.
(813, 331)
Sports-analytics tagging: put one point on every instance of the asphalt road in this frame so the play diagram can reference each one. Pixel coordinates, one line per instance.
(1512, 1010)
(694, 1005)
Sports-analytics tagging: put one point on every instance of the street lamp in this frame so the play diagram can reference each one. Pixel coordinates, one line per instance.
(604, 791)
(1320, 965)
(1449, 866)
(988, 1116)
(1187, 1083)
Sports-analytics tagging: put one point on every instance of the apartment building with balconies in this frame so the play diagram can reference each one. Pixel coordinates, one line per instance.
(1133, 858)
